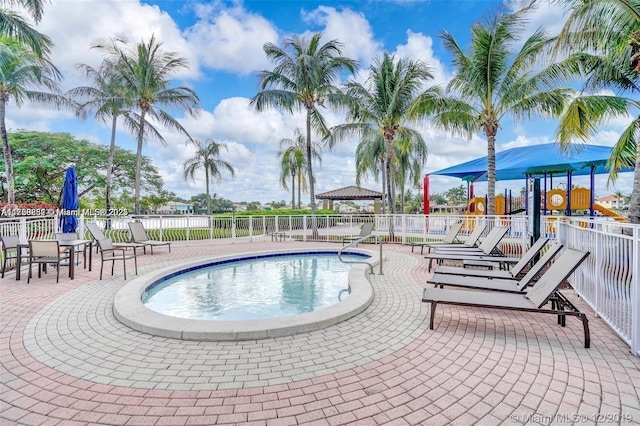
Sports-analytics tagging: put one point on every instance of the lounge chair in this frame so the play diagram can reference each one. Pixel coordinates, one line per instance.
(365, 231)
(497, 284)
(139, 236)
(98, 235)
(488, 245)
(511, 274)
(487, 248)
(449, 239)
(544, 291)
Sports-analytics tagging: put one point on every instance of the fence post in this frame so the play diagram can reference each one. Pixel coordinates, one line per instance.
(161, 229)
(188, 227)
(304, 226)
(22, 232)
(251, 228)
(599, 270)
(233, 229)
(635, 293)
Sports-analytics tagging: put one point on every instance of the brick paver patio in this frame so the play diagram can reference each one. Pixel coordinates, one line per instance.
(66, 360)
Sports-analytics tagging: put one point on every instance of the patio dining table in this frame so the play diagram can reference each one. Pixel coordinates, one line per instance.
(72, 244)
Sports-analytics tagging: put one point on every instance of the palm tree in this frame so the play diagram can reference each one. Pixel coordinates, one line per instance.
(13, 26)
(22, 70)
(304, 79)
(146, 73)
(293, 162)
(207, 157)
(370, 154)
(494, 79)
(411, 156)
(380, 106)
(603, 38)
(107, 100)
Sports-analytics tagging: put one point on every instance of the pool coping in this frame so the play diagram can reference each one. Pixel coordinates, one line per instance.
(129, 309)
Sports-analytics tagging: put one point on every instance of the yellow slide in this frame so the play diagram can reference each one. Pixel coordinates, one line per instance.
(608, 212)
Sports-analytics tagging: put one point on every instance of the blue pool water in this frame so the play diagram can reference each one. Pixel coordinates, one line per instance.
(259, 288)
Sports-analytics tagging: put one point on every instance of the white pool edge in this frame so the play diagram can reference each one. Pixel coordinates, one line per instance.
(129, 309)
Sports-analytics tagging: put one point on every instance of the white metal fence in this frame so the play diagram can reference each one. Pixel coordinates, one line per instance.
(609, 280)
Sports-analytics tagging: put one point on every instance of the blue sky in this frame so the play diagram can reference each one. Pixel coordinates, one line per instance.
(223, 40)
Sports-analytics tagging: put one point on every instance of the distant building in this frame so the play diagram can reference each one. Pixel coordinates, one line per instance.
(611, 202)
(175, 207)
(347, 209)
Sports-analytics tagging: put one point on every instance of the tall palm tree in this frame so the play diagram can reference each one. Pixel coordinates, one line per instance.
(107, 99)
(293, 162)
(410, 157)
(370, 154)
(14, 26)
(304, 79)
(603, 40)
(381, 106)
(207, 157)
(21, 71)
(146, 72)
(496, 78)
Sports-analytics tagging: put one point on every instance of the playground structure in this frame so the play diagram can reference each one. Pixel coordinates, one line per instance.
(556, 199)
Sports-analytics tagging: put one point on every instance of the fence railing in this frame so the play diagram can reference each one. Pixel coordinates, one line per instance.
(609, 280)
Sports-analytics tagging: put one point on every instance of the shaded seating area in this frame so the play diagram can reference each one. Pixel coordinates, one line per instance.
(139, 236)
(365, 231)
(47, 252)
(110, 253)
(545, 291)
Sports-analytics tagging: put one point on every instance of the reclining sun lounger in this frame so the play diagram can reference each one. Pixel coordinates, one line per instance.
(544, 291)
(489, 244)
(488, 247)
(471, 241)
(449, 239)
(497, 284)
(365, 231)
(139, 235)
(513, 273)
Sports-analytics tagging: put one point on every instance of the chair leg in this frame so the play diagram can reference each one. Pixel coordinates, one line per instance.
(135, 260)
(29, 276)
(4, 265)
(58, 271)
(101, 266)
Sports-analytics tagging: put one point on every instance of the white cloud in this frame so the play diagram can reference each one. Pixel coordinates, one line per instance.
(231, 39)
(420, 47)
(348, 27)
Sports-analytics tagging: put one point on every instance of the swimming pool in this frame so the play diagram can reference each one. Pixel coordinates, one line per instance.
(271, 286)
(129, 309)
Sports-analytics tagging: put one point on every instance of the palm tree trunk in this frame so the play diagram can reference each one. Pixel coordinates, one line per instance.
(139, 162)
(6, 151)
(112, 149)
(491, 174)
(384, 187)
(312, 194)
(206, 187)
(388, 168)
(299, 189)
(293, 190)
(634, 202)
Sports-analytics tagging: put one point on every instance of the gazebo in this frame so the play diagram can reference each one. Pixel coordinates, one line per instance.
(350, 193)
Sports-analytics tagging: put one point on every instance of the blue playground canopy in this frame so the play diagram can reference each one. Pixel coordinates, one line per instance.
(535, 160)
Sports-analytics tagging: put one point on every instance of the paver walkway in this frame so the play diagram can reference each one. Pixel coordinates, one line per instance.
(66, 360)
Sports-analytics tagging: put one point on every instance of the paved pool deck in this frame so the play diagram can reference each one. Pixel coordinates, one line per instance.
(65, 360)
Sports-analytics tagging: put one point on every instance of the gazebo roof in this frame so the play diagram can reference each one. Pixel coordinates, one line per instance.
(350, 193)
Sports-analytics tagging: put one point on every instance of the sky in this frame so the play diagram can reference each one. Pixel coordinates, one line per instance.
(223, 43)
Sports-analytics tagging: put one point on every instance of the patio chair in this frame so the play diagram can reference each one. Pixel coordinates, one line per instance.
(509, 274)
(97, 234)
(365, 231)
(139, 236)
(545, 290)
(110, 253)
(486, 250)
(488, 245)
(497, 284)
(9, 250)
(46, 252)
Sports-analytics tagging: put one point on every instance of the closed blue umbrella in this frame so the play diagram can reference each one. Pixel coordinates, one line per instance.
(69, 202)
